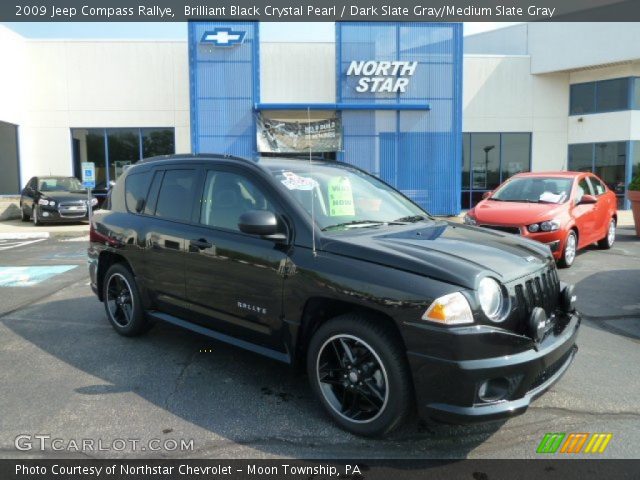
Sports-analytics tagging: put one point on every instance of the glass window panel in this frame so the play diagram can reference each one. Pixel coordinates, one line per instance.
(635, 159)
(88, 146)
(124, 149)
(226, 197)
(136, 188)
(174, 199)
(516, 154)
(466, 160)
(581, 157)
(636, 93)
(485, 161)
(582, 98)
(465, 200)
(157, 141)
(584, 188)
(612, 95)
(610, 162)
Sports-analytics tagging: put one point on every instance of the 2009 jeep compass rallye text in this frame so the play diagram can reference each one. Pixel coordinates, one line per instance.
(320, 264)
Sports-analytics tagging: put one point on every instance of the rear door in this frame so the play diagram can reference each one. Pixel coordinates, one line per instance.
(234, 281)
(604, 207)
(170, 205)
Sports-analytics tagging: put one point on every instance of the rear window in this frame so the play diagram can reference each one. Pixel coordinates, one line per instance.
(136, 189)
(176, 195)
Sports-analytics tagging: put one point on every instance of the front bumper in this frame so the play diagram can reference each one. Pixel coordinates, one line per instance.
(450, 390)
(62, 215)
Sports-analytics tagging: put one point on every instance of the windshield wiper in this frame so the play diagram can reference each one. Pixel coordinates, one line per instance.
(410, 218)
(373, 223)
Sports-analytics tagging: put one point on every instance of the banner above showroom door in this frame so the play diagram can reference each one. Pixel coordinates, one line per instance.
(298, 132)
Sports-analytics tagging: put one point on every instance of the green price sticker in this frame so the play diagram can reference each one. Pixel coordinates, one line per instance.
(340, 197)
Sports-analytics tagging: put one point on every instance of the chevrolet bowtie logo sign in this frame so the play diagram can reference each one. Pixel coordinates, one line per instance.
(223, 37)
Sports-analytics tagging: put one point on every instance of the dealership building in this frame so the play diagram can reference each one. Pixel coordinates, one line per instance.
(441, 117)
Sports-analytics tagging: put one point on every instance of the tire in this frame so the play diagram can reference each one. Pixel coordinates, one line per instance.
(35, 217)
(119, 290)
(570, 250)
(370, 391)
(23, 216)
(610, 237)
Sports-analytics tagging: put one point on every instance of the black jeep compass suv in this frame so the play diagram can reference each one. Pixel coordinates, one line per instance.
(321, 264)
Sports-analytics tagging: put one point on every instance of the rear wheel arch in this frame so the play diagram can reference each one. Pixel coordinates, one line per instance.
(105, 261)
(319, 310)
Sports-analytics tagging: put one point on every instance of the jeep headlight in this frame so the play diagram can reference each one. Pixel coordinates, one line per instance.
(94, 202)
(46, 202)
(491, 299)
(451, 309)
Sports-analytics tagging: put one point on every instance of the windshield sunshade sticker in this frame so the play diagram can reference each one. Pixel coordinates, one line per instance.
(340, 197)
(552, 197)
(296, 182)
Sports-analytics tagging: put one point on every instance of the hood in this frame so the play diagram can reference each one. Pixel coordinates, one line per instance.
(65, 196)
(514, 213)
(446, 251)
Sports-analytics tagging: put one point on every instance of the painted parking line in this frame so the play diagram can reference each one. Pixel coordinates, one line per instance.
(30, 275)
(23, 235)
(9, 244)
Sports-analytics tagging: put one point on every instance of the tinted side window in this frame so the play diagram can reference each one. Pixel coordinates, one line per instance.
(152, 197)
(583, 189)
(598, 186)
(174, 199)
(136, 188)
(227, 196)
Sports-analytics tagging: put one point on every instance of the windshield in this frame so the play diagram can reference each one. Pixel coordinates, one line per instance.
(344, 197)
(59, 184)
(534, 190)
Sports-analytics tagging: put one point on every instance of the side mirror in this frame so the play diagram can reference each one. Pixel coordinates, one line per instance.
(588, 200)
(486, 195)
(140, 205)
(260, 222)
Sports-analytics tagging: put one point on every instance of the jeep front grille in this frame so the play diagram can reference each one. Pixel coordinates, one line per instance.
(541, 290)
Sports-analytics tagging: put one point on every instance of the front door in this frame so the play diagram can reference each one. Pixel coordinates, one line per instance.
(585, 214)
(234, 281)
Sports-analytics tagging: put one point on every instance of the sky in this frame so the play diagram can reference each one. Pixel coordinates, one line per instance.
(269, 31)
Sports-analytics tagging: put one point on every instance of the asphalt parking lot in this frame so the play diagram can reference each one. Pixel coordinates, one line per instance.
(66, 373)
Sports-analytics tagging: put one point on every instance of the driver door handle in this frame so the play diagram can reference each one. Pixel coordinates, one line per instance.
(199, 244)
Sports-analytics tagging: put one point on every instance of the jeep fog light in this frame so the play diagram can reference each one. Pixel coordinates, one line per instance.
(568, 298)
(451, 309)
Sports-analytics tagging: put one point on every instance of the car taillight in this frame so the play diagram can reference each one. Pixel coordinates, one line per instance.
(97, 237)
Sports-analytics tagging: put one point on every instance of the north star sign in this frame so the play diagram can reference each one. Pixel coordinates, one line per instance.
(224, 37)
(382, 76)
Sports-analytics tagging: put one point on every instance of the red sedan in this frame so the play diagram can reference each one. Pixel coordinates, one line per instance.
(565, 210)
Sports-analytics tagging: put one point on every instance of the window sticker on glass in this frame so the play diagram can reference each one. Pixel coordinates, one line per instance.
(296, 182)
(340, 197)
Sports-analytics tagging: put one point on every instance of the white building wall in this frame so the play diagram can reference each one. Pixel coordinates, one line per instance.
(12, 65)
(86, 84)
(500, 95)
(556, 46)
(297, 73)
(605, 127)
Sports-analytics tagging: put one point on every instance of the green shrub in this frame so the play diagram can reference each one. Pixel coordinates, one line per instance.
(635, 183)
